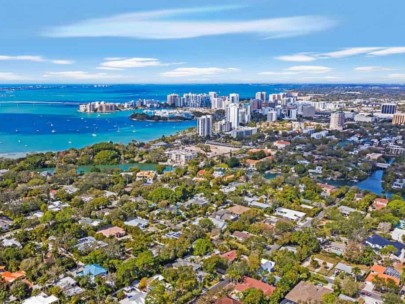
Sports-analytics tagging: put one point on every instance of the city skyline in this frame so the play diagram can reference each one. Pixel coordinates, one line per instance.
(235, 42)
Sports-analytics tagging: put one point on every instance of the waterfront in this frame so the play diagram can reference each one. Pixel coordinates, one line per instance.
(40, 118)
(122, 167)
(373, 183)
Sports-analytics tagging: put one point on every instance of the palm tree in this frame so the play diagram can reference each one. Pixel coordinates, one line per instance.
(356, 271)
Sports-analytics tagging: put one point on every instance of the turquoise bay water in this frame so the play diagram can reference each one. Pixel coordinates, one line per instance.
(38, 118)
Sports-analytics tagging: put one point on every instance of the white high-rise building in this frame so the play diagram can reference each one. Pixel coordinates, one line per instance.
(217, 103)
(232, 114)
(222, 126)
(261, 96)
(213, 95)
(172, 99)
(204, 126)
(292, 113)
(272, 116)
(234, 97)
(337, 121)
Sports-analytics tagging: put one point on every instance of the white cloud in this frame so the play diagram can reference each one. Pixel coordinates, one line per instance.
(166, 24)
(10, 76)
(300, 70)
(389, 51)
(63, 62)
(348, 52)
(22, 58)
(399, 76)
(280, 73)
(33, 58)
(372, 69)
(297, 58)
(312, 69)
(125, 63)
(80, 75)
(197, 72)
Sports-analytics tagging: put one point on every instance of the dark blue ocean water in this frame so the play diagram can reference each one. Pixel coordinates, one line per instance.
(44, 117)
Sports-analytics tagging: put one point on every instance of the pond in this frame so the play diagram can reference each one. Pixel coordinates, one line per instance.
(373, 183)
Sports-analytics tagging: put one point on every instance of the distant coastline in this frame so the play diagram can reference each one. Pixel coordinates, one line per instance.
(155, 118)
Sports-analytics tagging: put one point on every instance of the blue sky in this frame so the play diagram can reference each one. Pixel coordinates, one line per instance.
(273, 41)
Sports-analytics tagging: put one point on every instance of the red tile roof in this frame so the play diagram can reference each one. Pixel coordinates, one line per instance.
(253, 283)
(12, 276)
(227, 300)
(230, 255)
(378, 271)
(380, 203)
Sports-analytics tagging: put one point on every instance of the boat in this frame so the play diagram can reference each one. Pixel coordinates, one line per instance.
(94, 134)
(53, 131)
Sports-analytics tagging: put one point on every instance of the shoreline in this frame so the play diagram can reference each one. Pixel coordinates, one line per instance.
(17, 155)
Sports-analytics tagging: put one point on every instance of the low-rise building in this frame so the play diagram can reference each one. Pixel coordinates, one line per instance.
(181, 157)
(380, 203)
(248, 283)
(137, 222)
(281, 144)
(290, 214)
(306, 292)
(146, 176)
(42, 298)
(114, 231)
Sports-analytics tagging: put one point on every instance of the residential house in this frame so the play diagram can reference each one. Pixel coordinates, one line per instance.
(114, 231)
(398, 235)
(290, 214)
(159, 144)
(173, 235)
(69, 286)
(306, 292)
(57, 206)
(398, 183)
(344, 210)
(11, 243)
(146, 176)
(227, 300)
(380, 203)
(382, 273)
(378, 242)
(230, 255)
(335, 248)
(238, 209)
(137, 222)
(134, 297)
(5, 223)
(341, 267)
(327, 189)
(281, 144)
(317, 170)
(89, 243)
(241, 235)
(218, 223)
(42, 298)
(253, 283)
(10, 277)
(93, 271)
(198, 200)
